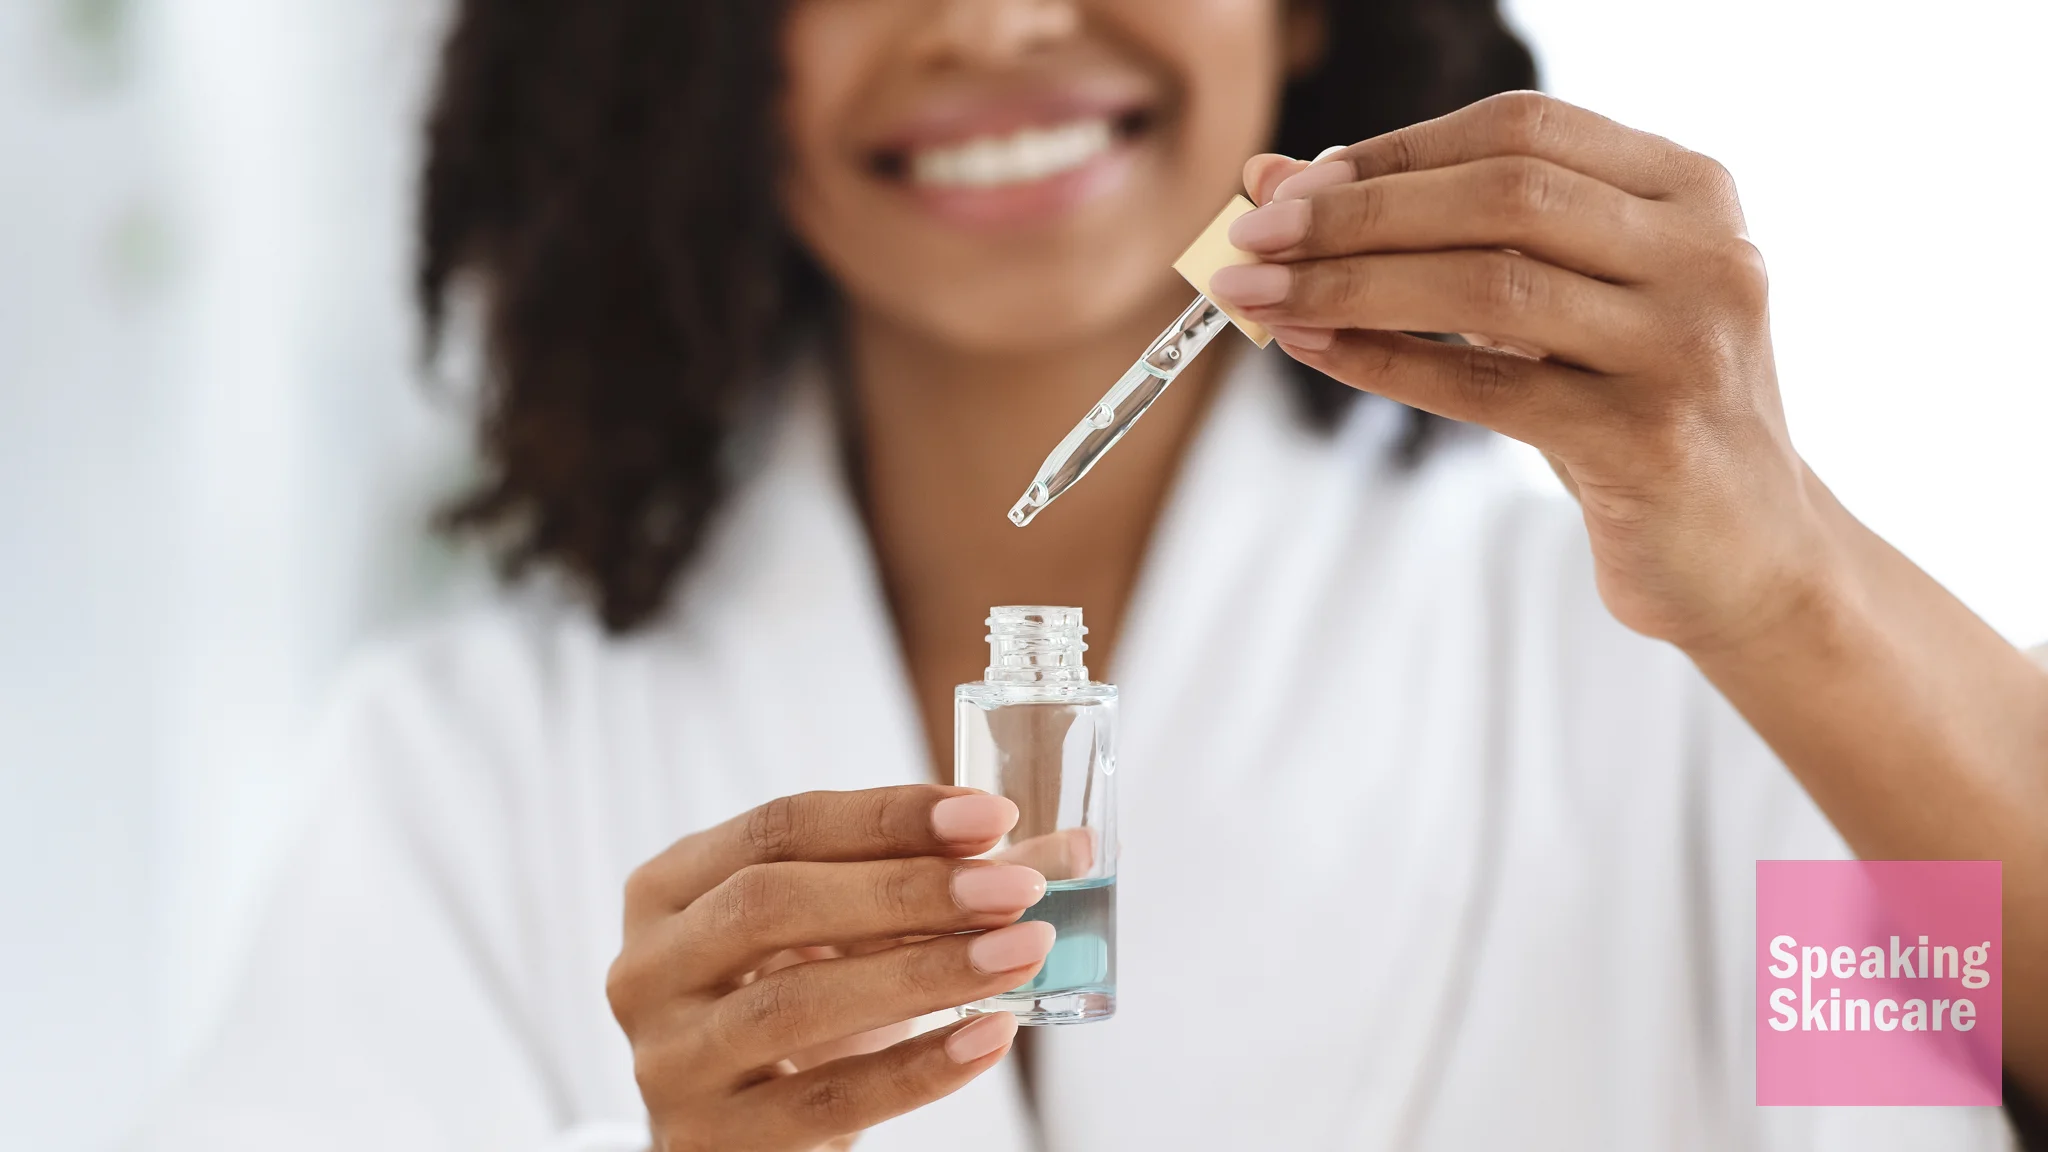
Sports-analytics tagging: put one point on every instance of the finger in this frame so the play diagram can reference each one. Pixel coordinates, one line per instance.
(859, 1092)
(873, 1040)
(878, 823)
(1304, 339)
(1533, 206)
(1522, 124)
(1534, 401)
(764, 909)
(1504, 294)
(1264, 172)
(811, 1004)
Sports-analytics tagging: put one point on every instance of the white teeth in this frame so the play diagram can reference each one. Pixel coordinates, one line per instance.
(1028, 155)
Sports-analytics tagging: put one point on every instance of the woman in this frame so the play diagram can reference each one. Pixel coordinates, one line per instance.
(1441, 797)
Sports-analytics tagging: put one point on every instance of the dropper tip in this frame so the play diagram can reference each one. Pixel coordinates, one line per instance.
(1035, 498)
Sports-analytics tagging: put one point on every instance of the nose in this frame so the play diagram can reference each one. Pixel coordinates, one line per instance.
(1002, 31)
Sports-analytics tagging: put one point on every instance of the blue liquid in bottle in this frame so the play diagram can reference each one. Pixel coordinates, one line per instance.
(1083, 957)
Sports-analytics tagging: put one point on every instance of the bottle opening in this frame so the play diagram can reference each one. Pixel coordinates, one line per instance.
(1035, 644)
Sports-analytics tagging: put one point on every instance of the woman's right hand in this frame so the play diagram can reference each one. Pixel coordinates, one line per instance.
(727, 1011)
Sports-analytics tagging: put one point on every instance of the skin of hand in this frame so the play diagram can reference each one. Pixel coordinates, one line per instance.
(1625, 329)
(1619, 321)
(771, 963)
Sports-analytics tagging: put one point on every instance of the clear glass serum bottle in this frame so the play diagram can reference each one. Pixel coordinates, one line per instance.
(1038, 731)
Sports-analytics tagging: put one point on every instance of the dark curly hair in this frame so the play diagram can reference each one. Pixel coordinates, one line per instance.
(602, 171)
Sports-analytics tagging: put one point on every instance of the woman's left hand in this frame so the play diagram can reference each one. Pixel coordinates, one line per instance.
(1619, 323)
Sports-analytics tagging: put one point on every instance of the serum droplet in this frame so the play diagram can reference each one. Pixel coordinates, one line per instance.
(1100, 416)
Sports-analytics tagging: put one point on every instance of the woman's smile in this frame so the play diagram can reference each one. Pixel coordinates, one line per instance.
(1018, 155)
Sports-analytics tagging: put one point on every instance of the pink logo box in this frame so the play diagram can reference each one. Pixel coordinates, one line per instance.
(1877, 982)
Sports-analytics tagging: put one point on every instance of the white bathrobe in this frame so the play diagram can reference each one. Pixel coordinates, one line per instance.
(1421, 850)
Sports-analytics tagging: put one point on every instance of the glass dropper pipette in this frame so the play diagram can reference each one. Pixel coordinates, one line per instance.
(1114, 414)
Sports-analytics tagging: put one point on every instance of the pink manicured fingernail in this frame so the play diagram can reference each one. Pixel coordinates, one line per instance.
(1007, 949)
(1250, 285)
(1281, 224)
(1306, 339)
(1321, 174)
(1002, 888)
(972, 819)
(980, 1037)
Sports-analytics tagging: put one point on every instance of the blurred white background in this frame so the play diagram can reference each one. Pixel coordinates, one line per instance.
(216, 452)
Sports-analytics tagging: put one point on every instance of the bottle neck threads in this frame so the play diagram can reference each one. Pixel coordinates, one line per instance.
(1033, 644)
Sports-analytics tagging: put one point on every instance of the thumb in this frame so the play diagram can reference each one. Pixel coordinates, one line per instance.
(1264, 172)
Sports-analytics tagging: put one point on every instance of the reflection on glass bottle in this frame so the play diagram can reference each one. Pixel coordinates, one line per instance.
(1038, 731)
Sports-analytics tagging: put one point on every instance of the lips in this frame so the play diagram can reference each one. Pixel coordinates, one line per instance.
(1015, 157)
